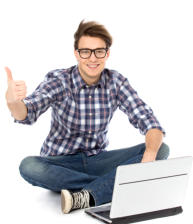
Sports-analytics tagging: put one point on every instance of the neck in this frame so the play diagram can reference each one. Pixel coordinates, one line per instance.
(89, 80)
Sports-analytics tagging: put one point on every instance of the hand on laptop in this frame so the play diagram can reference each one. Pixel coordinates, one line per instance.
(148, 156)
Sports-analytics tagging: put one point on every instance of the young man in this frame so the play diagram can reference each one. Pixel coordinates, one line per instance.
(83, 99)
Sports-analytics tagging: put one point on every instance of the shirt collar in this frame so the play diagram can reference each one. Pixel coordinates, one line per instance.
(80, 83)
(77, 79)
(102, 79)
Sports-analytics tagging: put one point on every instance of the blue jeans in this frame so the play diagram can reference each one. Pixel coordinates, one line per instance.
(76, 172)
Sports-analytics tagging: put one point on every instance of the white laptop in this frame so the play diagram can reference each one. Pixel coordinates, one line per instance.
(144, 191)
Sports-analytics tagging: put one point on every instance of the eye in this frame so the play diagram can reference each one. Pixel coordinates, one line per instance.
(100, 51)
(85, 51)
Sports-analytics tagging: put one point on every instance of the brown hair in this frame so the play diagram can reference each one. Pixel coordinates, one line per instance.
(92, 29)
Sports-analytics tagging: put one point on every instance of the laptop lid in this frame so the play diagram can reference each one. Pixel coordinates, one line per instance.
(147, 187)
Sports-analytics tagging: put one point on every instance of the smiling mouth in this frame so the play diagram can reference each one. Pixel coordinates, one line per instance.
(93, 66)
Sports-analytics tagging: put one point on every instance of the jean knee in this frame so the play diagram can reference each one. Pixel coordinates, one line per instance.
(163, 152)
(28, 166)
(24, 165)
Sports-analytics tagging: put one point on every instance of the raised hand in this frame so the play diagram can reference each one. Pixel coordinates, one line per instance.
(16, 90)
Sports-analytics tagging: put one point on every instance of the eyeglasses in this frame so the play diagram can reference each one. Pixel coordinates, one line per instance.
(85, 53)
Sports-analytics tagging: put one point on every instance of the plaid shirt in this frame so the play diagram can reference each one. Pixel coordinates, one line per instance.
(81, 113)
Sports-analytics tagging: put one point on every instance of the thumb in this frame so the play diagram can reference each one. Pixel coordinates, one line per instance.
(9, 74)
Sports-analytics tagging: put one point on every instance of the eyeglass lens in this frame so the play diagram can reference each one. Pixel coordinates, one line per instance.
(86, 53)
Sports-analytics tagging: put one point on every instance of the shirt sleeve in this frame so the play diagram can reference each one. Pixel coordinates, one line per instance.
(48, 91)
(139, 113)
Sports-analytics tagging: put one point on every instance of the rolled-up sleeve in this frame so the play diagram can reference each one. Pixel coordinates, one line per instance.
(42, 98)
(139, 113)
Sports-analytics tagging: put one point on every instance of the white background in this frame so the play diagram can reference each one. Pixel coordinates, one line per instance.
(152, 47)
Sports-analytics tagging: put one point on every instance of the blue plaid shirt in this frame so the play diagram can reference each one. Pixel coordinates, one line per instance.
(81, 113)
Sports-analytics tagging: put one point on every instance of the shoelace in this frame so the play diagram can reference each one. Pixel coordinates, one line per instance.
(81, 199)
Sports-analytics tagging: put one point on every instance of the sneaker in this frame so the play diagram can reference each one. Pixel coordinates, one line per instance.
(71, 201)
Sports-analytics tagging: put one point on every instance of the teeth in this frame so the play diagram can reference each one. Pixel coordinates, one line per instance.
(92, 66)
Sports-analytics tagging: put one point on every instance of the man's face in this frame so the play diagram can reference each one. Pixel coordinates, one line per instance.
(91, 68)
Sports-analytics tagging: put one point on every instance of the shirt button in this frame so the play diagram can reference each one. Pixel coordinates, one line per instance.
(90, 114)
(90, 132)
(90, 96)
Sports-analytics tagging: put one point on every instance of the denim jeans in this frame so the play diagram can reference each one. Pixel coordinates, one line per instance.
(76, 172)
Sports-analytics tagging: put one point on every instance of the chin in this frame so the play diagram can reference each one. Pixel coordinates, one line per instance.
(94, 73)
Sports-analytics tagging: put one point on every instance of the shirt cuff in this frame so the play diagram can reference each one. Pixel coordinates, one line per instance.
(28, 119)
(153, 127)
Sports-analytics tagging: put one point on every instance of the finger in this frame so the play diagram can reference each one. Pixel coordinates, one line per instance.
(9, 74)
(21, 95)
(19, 87)
(20, 90)
(19, 83)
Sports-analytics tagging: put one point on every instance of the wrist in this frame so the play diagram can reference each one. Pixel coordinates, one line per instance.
(13, 104)
(150, 151)
(149, 156)
(18, 109)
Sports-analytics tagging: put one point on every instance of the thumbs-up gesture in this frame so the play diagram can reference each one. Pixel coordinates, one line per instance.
(16, 90)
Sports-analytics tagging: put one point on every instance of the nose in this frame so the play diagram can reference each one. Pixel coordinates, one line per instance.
(92, 57)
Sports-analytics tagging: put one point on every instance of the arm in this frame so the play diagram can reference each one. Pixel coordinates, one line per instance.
(153, 141)
(141, 116)
(26, 110)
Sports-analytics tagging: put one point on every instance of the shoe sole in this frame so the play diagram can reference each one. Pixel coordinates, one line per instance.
(66, 201)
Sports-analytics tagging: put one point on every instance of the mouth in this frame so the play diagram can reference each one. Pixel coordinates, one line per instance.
(92, 66)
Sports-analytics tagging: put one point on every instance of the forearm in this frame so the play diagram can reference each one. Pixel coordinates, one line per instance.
(18, 110)
(153, 141)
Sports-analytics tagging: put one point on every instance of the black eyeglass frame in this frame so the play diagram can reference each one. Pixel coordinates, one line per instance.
(92, 50)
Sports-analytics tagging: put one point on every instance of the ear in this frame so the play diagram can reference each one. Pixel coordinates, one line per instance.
(108, 53)
(76, 55)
